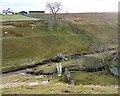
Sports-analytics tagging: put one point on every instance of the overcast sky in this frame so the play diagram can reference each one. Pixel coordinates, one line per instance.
(68, 5)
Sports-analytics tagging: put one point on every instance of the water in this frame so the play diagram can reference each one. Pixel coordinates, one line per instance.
(23, 71)
(13, 73)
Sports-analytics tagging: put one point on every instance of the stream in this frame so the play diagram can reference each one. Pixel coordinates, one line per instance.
(51, 61)
(12, 73)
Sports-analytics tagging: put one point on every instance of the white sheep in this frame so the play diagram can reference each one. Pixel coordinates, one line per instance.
(46, 82)
(6, 32)
(33, 84)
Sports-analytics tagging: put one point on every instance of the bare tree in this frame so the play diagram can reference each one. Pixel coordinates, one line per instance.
(54, 7)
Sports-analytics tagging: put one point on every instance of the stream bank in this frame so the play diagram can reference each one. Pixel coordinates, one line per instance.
(53, 60)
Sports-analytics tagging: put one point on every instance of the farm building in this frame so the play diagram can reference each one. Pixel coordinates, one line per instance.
(23, 12)
(8, 11)
(36, 12)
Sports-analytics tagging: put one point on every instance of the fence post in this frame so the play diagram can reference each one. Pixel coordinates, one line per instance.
(59, 69)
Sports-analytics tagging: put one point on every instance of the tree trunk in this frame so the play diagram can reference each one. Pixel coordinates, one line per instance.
(55, 21)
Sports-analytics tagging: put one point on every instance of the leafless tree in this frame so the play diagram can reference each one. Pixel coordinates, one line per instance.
(54, 7)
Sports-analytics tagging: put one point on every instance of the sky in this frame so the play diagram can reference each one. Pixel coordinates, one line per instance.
(69, 6)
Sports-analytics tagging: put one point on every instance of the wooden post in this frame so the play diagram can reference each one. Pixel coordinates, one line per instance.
(59, 69)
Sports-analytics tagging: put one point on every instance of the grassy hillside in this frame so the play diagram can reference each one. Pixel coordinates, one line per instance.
(16, 50)
(29, 41)
(102, 27)
(15, 18)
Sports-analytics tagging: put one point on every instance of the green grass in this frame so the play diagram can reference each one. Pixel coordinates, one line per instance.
(19, 49)
(89, 61)
(85, 78)
(84, 62)
(95, 78)
(44, 69)
(33, 43)
(23, 43)
(101, 32)
(101, 78)
(62, 89)
(102, 26)
(15, 18)
(24, 29)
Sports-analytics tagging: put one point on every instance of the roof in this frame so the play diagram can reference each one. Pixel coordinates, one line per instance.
(36, 11)
(7, 11)
(22, 12)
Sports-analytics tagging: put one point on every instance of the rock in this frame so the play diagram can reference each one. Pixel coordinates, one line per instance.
(32, 27)
(22, 73)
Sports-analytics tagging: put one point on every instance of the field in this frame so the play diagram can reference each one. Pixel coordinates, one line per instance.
(15, 18)
(86, 83)
(27, 43)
